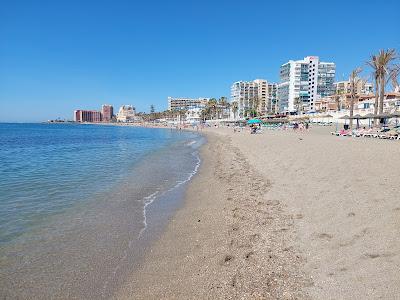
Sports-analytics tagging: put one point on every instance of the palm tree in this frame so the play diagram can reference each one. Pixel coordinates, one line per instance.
(354, 81)
(373, 63)
(385, 58)
(394, 74)
(204, 113)
(297, 104)
(222, 103)
(212, 105)
(337, 97)
(255, 103)
(235, 108)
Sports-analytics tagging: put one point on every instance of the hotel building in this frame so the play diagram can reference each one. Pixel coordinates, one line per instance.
(186, 103)
(91, 116)
(126, 113)
(107, 112)
(257, 95)
(302, 82)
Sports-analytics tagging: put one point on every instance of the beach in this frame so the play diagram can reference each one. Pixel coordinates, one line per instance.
(281, 215)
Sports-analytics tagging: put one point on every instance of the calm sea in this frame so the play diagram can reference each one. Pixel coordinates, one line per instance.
(79, 204)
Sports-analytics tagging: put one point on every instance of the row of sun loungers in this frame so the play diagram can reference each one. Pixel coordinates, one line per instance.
(368, 134)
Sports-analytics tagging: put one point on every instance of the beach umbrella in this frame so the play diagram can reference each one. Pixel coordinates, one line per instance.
(254, 121)
(346, 117)
(369, 117)
(357, 117)
(383, 116)
(396, 115)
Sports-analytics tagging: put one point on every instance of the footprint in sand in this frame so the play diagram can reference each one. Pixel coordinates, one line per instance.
(325, 236)
(376, 255)
(273, 202)
(355, 238)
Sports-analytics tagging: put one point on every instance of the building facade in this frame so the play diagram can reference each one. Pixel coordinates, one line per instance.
(107, 112)
(302, 82)
(258, 95)
(126, 113)
(361, 88)
(186, 103)
(91, 116)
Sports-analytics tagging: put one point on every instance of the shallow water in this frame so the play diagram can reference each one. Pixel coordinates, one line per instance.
(79, 203)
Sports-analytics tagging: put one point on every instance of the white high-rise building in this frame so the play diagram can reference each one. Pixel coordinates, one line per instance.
(258, 95)
(302, 82)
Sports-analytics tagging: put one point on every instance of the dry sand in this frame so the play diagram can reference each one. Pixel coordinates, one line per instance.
(282, 215)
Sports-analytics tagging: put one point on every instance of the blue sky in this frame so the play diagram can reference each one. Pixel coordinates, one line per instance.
(57, 56)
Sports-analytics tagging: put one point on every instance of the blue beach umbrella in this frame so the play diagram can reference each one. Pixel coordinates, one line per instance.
(254, 121)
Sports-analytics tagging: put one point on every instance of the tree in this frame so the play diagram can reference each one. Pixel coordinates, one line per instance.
(354, 81)
(212, 105)
(255, 102)
(235, 108)
(395, 82)
(152, 109)
(385, 58)
(338, 96)
(298, 104)
(223, 104)
(373, 63)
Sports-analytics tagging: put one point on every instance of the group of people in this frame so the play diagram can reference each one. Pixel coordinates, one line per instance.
(301, 127)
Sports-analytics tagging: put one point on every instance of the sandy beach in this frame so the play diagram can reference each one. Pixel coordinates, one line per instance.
(282, 215)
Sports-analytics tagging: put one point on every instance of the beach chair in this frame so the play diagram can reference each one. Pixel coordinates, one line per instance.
(367, 133)
(344, 132)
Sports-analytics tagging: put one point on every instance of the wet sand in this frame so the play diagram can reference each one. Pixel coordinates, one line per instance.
(282, 215)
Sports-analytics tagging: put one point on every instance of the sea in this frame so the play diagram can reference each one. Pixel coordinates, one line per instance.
(81, 204)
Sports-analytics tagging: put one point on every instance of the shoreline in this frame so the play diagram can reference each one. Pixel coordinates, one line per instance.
(87, 250)
(217, 245)
(263, 220)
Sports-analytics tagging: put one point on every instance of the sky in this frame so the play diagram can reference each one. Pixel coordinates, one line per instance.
(58, 56)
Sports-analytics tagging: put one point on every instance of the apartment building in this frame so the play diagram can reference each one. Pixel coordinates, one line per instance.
(259, 95)
(186, 103)
(302, 82)
(107, 112)
(91, 116)
(362, 87)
